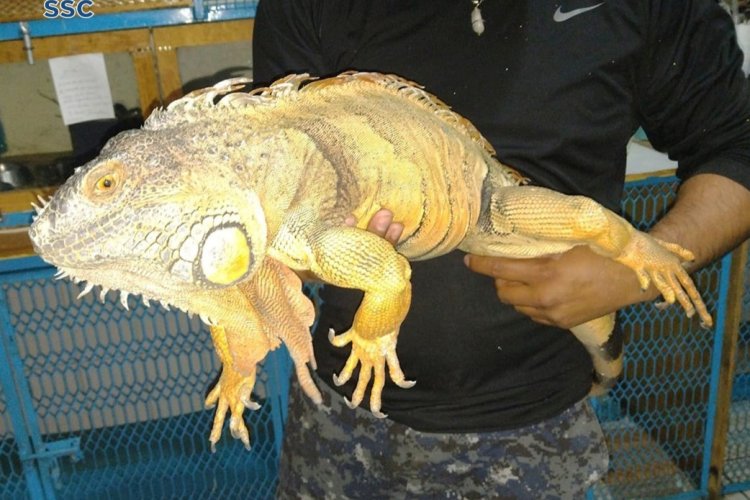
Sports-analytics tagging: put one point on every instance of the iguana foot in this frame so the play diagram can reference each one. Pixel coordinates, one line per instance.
(661, 263)
(373, 355)
(232, 392)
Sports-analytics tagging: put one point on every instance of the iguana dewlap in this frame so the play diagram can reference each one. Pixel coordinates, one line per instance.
(217, 198)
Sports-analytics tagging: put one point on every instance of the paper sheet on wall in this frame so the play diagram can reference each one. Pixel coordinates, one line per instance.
(82, 88)
(743, 37)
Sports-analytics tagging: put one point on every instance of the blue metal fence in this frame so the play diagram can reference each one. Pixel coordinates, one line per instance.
(97, 401)
(658, 418)
(737, 464)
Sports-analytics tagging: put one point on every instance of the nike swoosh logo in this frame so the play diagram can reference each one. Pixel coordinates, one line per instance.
(561, 16)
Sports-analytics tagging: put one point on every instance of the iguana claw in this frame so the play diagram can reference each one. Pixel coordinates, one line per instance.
(339, 340)
(373, 355)
(376, 414)
(661, 263)
(232, 393)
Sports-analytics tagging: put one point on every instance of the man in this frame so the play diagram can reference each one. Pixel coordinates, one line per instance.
(558, 89)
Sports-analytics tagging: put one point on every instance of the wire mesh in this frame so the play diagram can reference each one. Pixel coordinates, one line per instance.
(737, 464)
(130, 385)
(655, 418)
(13, 484)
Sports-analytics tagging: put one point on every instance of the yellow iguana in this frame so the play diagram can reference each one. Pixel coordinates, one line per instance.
(212, 204)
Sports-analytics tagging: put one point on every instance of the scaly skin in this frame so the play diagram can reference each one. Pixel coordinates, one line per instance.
(218, 198)
(287, 315)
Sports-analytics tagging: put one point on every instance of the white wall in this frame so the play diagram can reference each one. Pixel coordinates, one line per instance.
(28, 108)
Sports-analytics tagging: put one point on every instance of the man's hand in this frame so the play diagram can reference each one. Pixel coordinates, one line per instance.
(562, 290)
(381, 224)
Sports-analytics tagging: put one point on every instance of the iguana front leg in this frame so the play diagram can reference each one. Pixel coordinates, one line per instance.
(354, 258)
(267, 308)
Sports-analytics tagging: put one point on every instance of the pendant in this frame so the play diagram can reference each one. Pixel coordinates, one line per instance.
(477, 23)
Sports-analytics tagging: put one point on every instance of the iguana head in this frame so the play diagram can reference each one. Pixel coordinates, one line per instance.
(154, 214)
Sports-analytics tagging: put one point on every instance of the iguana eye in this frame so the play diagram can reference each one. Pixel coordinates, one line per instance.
(106, 183)
(104, 180)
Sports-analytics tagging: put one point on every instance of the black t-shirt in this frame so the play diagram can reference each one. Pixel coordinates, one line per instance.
(558, 92)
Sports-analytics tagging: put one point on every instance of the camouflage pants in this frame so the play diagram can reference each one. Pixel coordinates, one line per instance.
(334, 452)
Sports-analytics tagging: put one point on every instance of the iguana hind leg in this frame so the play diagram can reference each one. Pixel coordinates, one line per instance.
(354, 258)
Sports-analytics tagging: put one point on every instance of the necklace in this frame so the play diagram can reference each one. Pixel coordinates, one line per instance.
(477, 23)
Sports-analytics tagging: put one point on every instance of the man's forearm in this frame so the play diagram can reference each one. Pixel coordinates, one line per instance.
(710, 217)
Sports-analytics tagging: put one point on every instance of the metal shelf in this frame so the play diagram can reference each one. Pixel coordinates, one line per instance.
(198, 13)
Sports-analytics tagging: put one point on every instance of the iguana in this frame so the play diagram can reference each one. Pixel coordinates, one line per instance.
(218, 199)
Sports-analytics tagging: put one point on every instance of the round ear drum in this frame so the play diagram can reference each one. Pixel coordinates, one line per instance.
(226, 256)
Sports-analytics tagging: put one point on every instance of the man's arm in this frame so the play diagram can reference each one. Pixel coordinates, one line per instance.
(710, 217)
